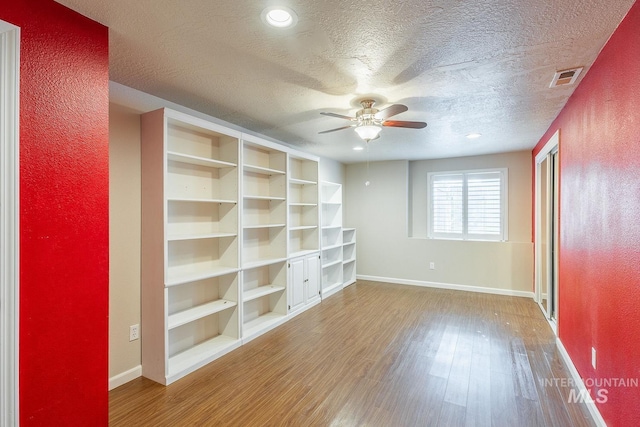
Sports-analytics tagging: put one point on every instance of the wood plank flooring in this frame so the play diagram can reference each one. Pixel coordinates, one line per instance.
(376, 354)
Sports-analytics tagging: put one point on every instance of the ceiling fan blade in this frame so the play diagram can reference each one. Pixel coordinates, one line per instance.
(340, 116)
(391, 111)
(403, 124)
(333, 130)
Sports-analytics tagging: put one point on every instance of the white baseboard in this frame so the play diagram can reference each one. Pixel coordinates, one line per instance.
(125, 377)
(467, 288)
(577, 380)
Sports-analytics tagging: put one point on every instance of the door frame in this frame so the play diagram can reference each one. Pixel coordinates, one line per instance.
(552, 145)
(9, 221)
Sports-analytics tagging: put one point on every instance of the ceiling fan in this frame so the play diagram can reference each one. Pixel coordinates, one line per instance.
(369, 121)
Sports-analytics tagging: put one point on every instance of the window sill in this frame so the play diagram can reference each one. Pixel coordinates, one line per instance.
(451, 239)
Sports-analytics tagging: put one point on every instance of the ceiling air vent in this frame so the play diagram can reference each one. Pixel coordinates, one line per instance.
(565, 77)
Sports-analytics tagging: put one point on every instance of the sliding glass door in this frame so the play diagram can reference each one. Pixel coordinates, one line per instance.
(546, 213)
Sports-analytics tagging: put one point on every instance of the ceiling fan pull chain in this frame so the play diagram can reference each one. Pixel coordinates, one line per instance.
(367, 182)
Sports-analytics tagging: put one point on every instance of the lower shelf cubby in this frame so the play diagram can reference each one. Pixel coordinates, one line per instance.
(194, 344)
(331, 278)
(264, 299)
(303, 241)
(194, 300)
(349, 251)
(263, 281)
(349, 272)
(331, 255)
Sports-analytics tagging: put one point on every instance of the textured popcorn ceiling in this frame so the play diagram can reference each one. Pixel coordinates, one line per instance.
(462, 66)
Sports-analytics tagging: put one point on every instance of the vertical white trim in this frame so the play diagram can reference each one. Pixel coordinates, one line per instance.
(555, 215)
(538, 235)
(9, 221)
(549, 147)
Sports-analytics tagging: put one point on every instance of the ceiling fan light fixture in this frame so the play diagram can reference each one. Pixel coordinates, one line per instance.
(279, 17)
(368, 132)
(368, 121)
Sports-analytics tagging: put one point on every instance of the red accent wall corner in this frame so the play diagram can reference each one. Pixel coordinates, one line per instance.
(64, 215)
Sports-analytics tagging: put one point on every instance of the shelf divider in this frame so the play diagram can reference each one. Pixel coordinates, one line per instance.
(262, 170)
(198, 312)
(261, 291)
(196, 160)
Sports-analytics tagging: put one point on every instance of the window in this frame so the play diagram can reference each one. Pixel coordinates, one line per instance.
(468, 205)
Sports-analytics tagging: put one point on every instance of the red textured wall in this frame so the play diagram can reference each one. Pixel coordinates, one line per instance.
(64, 274)
(600, 221)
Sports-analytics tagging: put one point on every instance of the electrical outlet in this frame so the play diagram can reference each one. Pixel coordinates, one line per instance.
(134, 332)
(432, 266)
(593, 357)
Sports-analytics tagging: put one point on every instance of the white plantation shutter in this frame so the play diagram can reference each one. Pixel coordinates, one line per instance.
(468, 205)
(448, 203)
(484, 203)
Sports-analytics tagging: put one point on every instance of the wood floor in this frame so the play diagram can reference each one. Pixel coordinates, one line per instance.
(376, 355)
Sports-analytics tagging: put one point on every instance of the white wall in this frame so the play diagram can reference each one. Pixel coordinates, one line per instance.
(124, 238)
(384, 214)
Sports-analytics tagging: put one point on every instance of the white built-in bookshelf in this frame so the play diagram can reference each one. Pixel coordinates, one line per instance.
(264, 298)
(190, 244)
(231, 240)
(331, 201)
(304, 229)
(348, 256)
(202, 322)
(264, 236)
(304, 233)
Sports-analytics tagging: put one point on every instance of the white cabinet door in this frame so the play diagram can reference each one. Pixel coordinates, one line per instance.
(296, 284)
(313, 278)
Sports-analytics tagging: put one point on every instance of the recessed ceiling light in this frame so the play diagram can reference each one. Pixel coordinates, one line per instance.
(358, 148)
(474, 135)
(279, 17)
